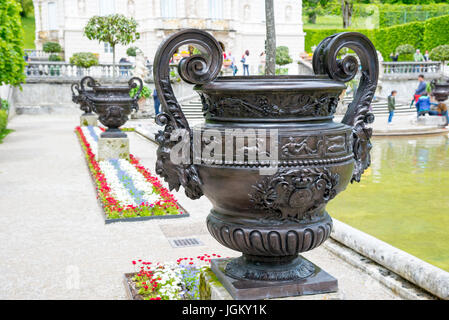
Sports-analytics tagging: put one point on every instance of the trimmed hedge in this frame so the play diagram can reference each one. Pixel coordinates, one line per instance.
(394, 14)
(424, 35)
(3, 120)
(436, 32)
(388, 39)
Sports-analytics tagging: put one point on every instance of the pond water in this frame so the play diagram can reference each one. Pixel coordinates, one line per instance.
(403, 197)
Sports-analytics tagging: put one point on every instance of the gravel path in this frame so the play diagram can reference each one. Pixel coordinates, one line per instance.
(53, 240)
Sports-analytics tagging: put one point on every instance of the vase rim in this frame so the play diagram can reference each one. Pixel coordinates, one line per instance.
(273, 83)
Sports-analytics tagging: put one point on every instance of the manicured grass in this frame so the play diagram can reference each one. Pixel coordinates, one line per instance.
(29, 31)
(331, 22)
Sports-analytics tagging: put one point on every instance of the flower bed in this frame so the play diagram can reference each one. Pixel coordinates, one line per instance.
(168, 281)
(125, 188)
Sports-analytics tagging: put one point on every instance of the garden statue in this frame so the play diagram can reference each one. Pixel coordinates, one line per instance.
(269, 157)
(113, 105)
(141, 71)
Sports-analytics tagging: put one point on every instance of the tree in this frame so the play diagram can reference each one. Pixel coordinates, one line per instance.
(113, 29)
(405, 52)
(270, 42)
(347, 6)
(12, 62)
(440, 53)
(312, 8)
(27, 8)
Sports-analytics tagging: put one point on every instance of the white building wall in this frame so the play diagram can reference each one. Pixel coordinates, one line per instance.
(242, 26)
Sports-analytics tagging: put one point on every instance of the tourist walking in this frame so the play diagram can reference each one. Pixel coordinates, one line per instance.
(391, 105)
(245, 63)
(157, 103)
(262, 62)
(394, 57)
(233, 65)
(418, 57)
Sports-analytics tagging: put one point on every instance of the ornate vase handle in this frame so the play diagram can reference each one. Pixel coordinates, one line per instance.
(196, 69)
(88, 81)
(325, 61)
(132, 84)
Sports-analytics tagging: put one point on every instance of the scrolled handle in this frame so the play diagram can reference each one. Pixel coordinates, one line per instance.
(196, 69)
(88, 81)
(132, 84)
(325, 61)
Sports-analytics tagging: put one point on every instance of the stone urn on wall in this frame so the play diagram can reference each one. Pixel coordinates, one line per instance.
(113, 105)
(270, 207)
(440, 90)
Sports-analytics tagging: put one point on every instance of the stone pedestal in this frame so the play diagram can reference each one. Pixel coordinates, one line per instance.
(146, 110)
(437, 121)
(113, 148)
(315, 285)
(211, 288)
(88, 120)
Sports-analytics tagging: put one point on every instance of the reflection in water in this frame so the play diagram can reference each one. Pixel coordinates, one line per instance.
(402, 198)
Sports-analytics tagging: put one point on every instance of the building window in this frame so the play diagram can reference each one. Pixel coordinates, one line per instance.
(168, 8)
(107, 48)
(107, 7)
(216, 9)
(52, 16)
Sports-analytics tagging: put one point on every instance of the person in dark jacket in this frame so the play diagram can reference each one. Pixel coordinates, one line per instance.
(422, 85)
(391, 105)
(157, 103)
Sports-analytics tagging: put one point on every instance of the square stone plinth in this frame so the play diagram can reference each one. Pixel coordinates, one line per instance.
(88, 120)
(113, 148)
(320, 286)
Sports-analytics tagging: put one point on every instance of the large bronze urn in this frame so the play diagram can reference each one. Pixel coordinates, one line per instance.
(269, 157)
(440, 90)
(113, 103)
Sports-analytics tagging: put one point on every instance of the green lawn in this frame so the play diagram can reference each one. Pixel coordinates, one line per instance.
(29, 28)
(332, 22)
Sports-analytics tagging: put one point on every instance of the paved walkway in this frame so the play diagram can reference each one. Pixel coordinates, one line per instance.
(53, 240)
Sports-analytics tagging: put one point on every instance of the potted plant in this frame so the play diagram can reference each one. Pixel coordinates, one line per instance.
(83, 60)
(142, 97)
(282, 58)
(132, 51)
(53, 48)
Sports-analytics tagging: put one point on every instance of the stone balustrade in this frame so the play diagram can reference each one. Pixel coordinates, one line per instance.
(410, 70)
(33, 53)
(56, 69)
